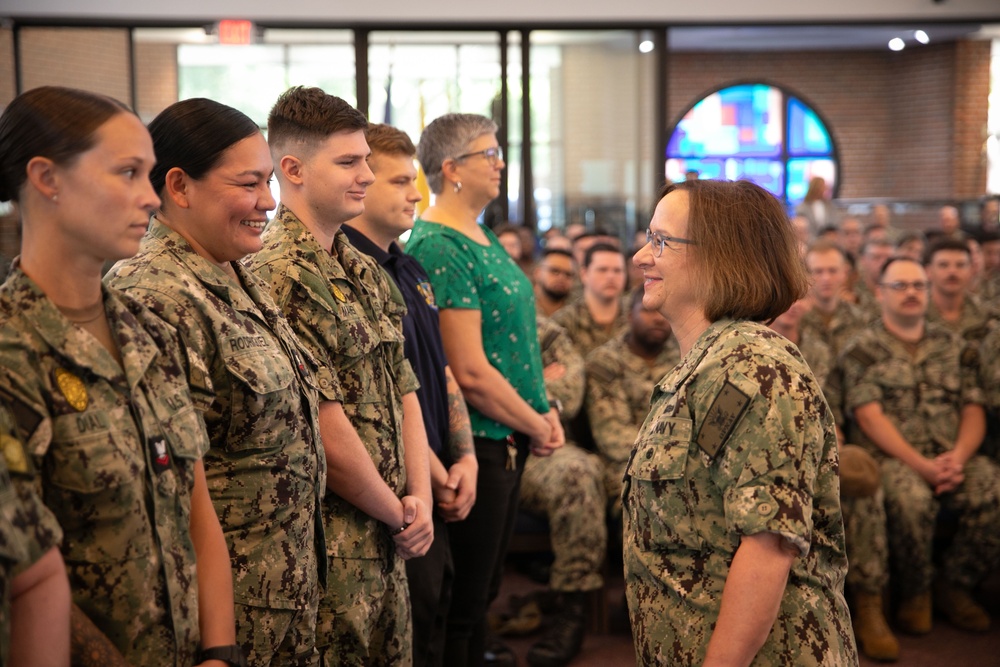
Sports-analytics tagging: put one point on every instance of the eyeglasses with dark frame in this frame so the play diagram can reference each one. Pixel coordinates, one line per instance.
(902, 285)
(493, 155)
(658, 241)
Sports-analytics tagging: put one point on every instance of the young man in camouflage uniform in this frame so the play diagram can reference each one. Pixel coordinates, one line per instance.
(599, 313)
(912, 391)
(348, 313)
(389, 208)
(831, 318)
(621, 375)
(949, 269)
(567, 489)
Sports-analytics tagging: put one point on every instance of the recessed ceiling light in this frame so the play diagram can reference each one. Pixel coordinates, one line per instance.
(897, 44)
(921, 36)
(646, 45)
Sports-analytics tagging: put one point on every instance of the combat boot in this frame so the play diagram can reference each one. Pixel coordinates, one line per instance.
(562, 641)
(957, 604)
(875, 639)
(914, 615)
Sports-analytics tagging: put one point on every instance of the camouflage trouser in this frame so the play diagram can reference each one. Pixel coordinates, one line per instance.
(912, 511)
(364, 617)
(278, 636)
(566, 488)
(867, 543)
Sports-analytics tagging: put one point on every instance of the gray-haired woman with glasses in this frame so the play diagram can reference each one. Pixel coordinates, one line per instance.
(487, 311)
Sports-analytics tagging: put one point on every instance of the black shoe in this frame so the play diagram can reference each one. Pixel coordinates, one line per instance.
(498, 654)
(563, 640)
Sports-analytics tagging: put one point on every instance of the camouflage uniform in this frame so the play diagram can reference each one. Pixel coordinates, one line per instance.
(989, 380)
(566, 487)
(976, 321)
(738, 441)
(27, 528)
(348, 314)
(923, 393)
(587, 334)
(619, 385)
(867, 304)
(113, 454)
(266, 469)
(835, 330)
(864, 516)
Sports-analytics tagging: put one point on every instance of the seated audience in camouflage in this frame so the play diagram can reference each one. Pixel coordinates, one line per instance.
(912, 395)
(621, 375)
(860, 482)
(101, 393)
(265, 466)
(568, 491)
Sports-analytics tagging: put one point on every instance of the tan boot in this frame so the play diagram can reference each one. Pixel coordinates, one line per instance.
(957, 604)
(914, 615)
(875, 639)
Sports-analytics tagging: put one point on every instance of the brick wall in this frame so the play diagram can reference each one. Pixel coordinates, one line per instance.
(94, 59)
(156, 78)
(7, 76)
(906, 125)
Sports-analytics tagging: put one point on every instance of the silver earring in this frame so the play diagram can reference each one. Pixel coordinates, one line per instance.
(55, 197)
(458, 187)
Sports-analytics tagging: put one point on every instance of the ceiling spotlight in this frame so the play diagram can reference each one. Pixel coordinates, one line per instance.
(645, 46)
(921, 36)
(897, 44)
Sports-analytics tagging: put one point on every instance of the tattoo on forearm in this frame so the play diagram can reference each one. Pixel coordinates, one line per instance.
(459, 426)
(89, 647)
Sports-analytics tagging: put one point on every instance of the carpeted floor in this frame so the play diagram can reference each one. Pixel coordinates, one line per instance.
(946, 646)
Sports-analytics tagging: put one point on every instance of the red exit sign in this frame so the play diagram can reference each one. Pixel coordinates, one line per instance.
(235, 32)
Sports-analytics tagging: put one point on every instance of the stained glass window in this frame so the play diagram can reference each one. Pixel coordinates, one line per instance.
(757, 132)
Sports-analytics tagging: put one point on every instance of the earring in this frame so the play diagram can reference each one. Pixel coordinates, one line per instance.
(55, 197)
(458, 187)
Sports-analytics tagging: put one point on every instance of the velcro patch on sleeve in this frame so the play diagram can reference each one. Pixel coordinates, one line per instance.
(722, 417)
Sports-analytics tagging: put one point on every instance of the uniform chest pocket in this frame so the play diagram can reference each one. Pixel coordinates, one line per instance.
(262, 381)
(356, 334)
(95, 485)
(658, 497)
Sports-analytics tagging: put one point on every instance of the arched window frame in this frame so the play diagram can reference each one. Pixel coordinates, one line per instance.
(784, 156)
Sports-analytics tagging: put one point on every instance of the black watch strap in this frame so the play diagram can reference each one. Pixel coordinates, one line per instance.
(231, 655)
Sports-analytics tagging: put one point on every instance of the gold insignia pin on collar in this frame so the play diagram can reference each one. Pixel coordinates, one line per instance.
(72, 389)
(13, 453)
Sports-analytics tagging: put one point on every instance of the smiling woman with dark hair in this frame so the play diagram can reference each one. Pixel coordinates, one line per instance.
(734, 542)
(265, 466)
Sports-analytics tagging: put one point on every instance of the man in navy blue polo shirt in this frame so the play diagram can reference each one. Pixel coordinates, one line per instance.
(389, 209)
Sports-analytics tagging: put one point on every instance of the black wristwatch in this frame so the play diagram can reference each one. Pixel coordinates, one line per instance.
(232, 655)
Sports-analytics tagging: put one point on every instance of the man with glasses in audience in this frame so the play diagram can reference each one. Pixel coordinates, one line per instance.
(911, 390)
